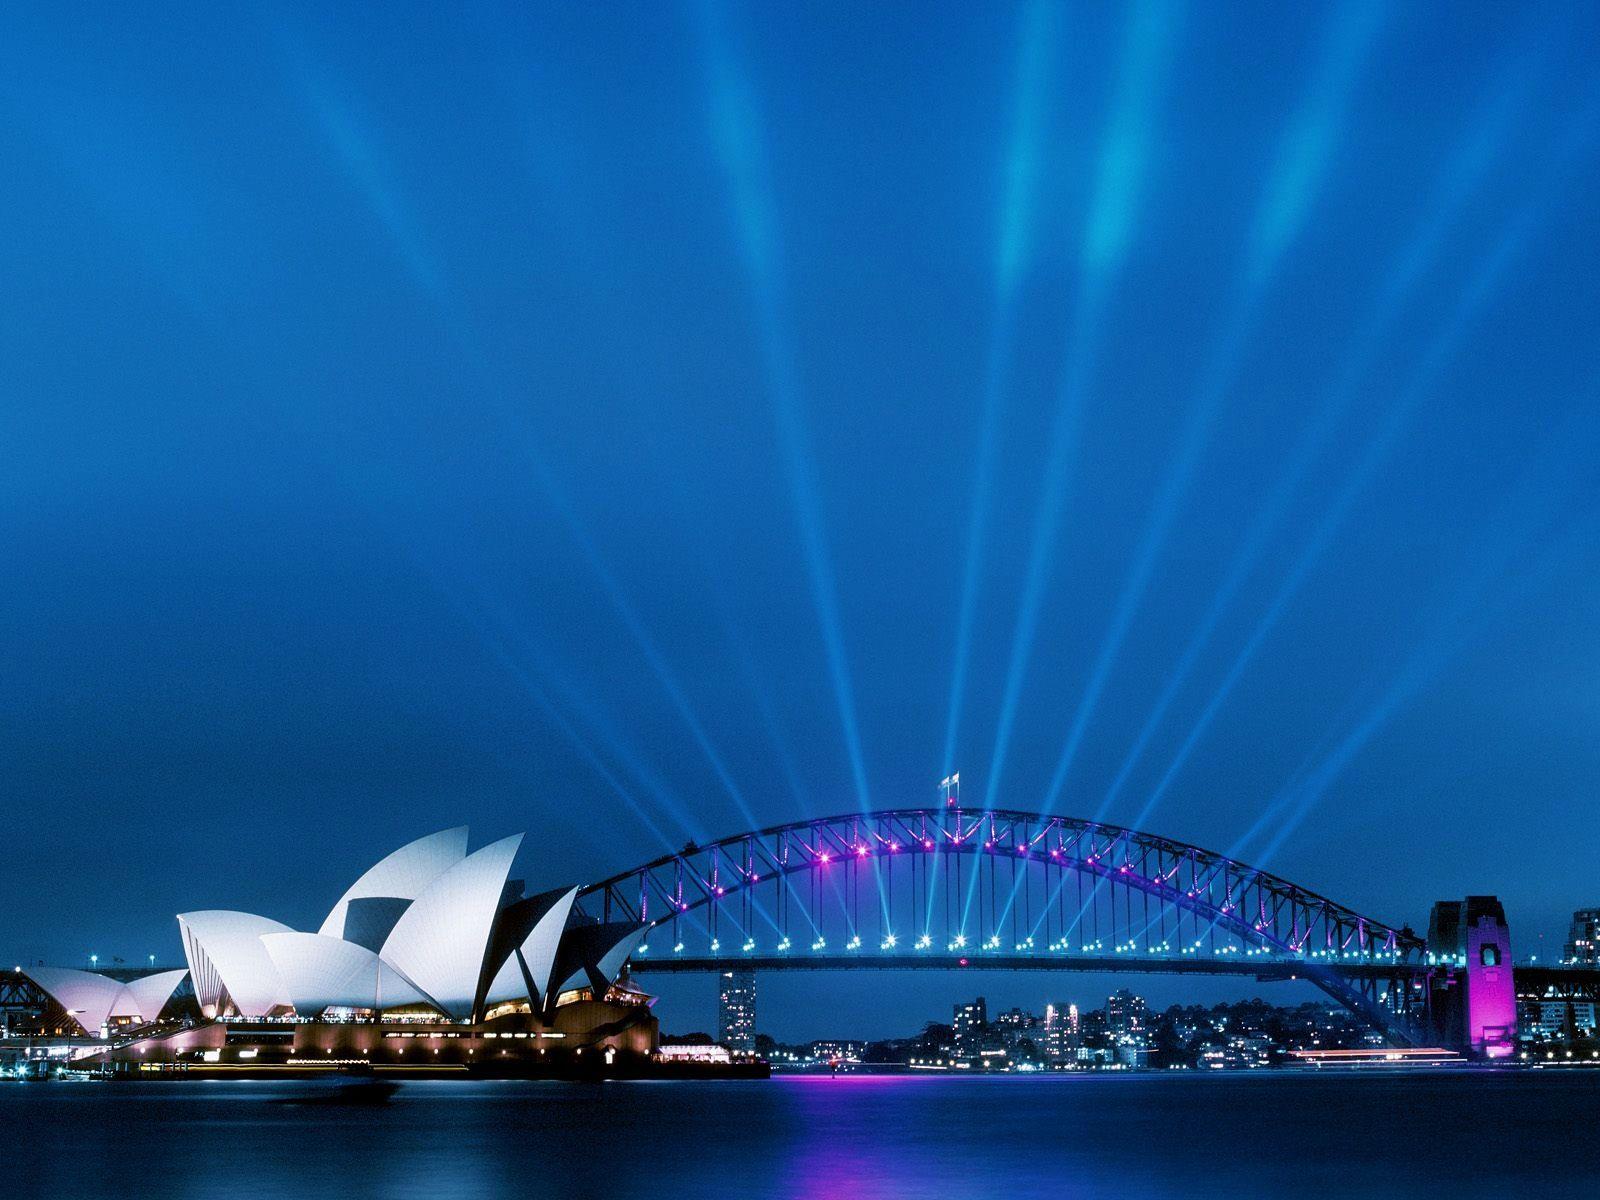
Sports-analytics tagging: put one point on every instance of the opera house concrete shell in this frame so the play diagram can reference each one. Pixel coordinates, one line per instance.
(442, 937)
(94, 1001)
(434, 963)
(382, 894)
(431, 930)
(320, 973)
(229, 964)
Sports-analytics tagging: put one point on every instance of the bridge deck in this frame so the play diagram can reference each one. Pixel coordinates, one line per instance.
(1262, 969)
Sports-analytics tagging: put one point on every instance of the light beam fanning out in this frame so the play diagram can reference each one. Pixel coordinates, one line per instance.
(356, 152)
(1532, 518)
(1302, 165)
(1465, 169)
(1038, 36)
(736, 134)
(652, 654)
(1474, 298)
(1113, 206)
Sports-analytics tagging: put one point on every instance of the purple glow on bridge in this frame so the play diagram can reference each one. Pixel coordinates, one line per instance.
(1100, 897)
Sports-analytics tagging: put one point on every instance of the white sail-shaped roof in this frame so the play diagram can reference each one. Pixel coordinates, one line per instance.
(150, 993)
(440, 942)
(126, 1005)
(226, 955)
(599, 952)
(326, 972)
(88, 997)
(403, 874)
(91, 999)
(538, 954)
(611, 963)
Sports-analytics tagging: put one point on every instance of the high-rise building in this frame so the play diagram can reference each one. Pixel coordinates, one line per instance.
(1583, 939)
(968, 1026)
(1060, 1031)
(736, 1009)
(1126, 1020)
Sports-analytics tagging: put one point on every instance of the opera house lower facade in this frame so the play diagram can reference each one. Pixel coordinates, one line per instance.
(433, 960)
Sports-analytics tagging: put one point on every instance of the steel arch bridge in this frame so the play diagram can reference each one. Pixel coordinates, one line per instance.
(943, 887)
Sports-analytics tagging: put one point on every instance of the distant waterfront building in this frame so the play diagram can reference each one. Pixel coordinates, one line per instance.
(1126, 1018)
(837, 1051)
(1060, 1031)
(1555, 1019)
(1014, 1019)
(736, 1010)
(968, 1026)
(1014, 1026)
(1133, 1055)
(1251, 1051)
(1583, 938)
(705, 1052)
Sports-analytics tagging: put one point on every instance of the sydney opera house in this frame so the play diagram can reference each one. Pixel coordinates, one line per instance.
(434, 956)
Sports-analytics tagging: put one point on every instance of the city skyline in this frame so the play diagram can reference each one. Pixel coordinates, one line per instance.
(1125, 1032)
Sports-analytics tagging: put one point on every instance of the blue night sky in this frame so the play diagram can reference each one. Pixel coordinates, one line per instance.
(636, 423)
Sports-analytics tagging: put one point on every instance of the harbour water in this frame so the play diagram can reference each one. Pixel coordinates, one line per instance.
(1460, 1135)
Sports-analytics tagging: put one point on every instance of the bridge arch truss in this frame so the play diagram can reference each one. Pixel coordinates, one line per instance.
(925, 880)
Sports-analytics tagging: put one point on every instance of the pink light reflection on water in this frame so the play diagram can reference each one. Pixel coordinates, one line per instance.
(860, 1144)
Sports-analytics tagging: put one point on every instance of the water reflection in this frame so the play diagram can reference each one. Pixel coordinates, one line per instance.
(816, 1137)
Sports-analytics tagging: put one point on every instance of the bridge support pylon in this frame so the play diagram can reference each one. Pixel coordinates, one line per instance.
(1475, 996)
